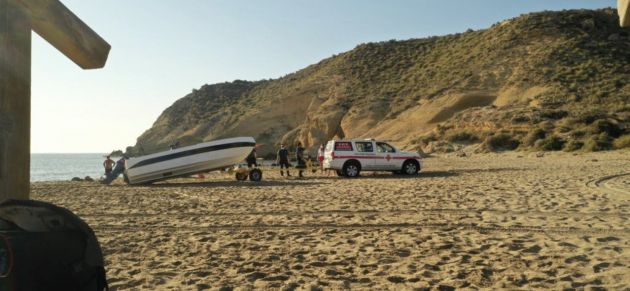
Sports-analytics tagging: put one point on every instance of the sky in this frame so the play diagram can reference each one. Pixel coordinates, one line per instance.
(162, 49)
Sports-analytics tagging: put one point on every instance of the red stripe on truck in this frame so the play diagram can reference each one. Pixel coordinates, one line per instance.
(373, 157)
(359, 157)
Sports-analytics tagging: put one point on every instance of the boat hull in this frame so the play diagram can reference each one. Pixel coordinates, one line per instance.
(208, 156)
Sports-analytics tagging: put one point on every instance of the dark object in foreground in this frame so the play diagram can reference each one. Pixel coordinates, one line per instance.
(46, 247)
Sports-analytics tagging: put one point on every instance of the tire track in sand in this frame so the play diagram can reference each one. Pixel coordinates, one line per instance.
(439, 226)
(602, 184)
(364, 212)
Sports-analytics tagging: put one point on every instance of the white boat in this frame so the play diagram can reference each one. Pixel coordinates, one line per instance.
(203, 157)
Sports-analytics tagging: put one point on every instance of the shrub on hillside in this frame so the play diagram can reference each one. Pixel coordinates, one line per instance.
(577, 134)
(520, 119)
(605, 126)
(573, 145)
(533, 136)
(550, 143)
(597, 143)
(563, 128)
(623, 108)
(462, 137)
(500, 142)
(568, 124)
(547, 125)
(589, 117)
(554, 114)
(622, 143)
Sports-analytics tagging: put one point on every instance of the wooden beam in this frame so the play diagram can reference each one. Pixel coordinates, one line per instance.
(15, 100)
(623, 7)
(66, 32)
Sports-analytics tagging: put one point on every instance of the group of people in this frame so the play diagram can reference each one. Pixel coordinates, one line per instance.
(113, 169)
(282, 159)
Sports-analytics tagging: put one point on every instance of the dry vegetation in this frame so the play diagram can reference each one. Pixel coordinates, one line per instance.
(562, 74)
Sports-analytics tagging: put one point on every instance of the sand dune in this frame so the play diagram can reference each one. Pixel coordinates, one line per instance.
(511, 221)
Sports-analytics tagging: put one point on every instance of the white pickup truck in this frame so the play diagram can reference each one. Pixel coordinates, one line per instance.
(350, 157)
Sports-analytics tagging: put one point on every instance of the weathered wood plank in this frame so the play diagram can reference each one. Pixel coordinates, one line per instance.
(66, 32)
(15, 100)
(623, 7)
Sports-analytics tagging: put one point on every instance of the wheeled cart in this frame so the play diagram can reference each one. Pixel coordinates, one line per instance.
(255, 174)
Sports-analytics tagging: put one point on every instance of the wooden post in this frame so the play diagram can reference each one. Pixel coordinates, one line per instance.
(623, 7)
(15, 100)
(65, 31)
(55, 23)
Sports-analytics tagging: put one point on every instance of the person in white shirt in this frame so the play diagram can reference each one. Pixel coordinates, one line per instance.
(320, 158)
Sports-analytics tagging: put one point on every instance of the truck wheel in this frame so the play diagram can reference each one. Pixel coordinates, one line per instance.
(352, 169)
(241, 176)
(255, 175)
(410, 168)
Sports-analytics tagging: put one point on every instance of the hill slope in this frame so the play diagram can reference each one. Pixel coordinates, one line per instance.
(542, 71)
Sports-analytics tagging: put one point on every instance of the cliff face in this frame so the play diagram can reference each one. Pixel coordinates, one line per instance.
(419, 93)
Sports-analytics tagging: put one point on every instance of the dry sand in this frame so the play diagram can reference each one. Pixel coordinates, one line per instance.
(513, 221)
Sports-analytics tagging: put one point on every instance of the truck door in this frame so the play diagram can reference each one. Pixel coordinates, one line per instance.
(386, 157)
(366, 154)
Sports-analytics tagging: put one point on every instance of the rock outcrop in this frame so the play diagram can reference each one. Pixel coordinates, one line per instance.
(510, 78)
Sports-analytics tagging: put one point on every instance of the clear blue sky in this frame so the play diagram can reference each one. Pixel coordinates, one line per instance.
(162, 49)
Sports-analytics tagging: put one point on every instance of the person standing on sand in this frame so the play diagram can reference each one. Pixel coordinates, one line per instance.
(108, 164)
(320, 158)
(283, 160)
(251, 159)
(299, 156)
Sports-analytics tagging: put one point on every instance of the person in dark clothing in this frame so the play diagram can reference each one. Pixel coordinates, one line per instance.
(299, 156)
(118, 170)
(283, 160)
(251, 159)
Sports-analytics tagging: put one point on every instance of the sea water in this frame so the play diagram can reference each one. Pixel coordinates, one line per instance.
(63, 167)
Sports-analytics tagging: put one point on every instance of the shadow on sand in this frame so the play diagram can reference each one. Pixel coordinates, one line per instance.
(437, 174)
(244, 184)
(308, 180)
(490, 170)
(384, 175)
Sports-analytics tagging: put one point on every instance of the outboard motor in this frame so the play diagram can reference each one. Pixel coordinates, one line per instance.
(46, 247)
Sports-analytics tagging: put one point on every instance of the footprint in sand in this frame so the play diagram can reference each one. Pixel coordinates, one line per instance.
(396, 279)
(608, 239)
(256, 276)
(403, 253)
(430, 267)
(276, 278)
(580, 258)
(599, 267)
(533, 249)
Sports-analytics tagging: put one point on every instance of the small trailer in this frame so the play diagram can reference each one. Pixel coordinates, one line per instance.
(242, 173)
(190, 160)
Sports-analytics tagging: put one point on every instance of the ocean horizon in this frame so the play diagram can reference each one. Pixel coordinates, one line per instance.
(65, 166)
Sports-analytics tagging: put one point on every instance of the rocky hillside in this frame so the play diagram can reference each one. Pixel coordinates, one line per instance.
(551, 81)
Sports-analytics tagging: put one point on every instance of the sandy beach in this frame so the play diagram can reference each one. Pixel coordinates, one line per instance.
(512, 221)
